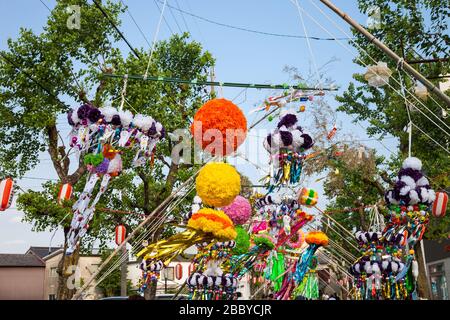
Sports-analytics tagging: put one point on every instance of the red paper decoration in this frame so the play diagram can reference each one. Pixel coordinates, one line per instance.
(65, 193)
(121, 232)
(440, 205)
(179, 271)
(6, 193)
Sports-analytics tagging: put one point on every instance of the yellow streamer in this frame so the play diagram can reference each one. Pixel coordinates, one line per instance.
(168, 249)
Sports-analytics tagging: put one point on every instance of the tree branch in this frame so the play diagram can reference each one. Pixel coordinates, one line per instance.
(54, 151)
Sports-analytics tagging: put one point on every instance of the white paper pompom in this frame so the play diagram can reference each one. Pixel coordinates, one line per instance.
(138, 121)
(147, 123)
(403, 191)
(297, 139)
(74, 117)
(108, 113)
(409, 181)
(126, 117)
(431, 195)
(276, 141)
(413, 163)
(414, 197)
(159, 127)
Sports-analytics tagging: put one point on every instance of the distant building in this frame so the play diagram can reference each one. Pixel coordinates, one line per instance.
(34, 276)
(437, 256)
(22, 277)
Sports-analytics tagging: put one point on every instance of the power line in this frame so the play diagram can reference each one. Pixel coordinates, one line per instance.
(175, 19)
(182, 16)
(116, 28)
(164, 18)
(32, 79)
(137, 25)
(251, 30)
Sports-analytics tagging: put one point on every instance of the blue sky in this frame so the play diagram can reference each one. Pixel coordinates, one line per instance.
(240, 57)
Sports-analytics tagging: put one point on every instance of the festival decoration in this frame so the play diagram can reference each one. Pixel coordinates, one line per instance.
(218, 184)
(219, 119)
(151, 271)
(411, 186)
(388, 269)
(212, 279)
(308, 197)
(297, 240)
(309, 287)
(99, 135)
(315, 239)
(121, 233)
(65, 193)
(440, 205)
(178, 271)
(6, 193)
(239, 210)
(286, 145)
(204, 226)
(378, 75)
(242, 241)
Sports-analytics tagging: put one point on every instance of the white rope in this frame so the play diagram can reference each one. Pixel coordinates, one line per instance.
(362, 62)
(124, 92)
(155, 39)
(308, 42)
(445, 149)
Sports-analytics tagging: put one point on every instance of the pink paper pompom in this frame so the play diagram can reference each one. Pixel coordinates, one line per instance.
(239, 210)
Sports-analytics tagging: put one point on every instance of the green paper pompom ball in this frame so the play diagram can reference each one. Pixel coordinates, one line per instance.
(242, 241)
(263, 241)
(93, 159)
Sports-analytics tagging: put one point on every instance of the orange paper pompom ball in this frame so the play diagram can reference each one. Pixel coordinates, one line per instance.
(317, 237)
(219, 119)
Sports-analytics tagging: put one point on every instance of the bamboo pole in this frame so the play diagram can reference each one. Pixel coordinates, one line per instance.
(372, 39)
(219, 84)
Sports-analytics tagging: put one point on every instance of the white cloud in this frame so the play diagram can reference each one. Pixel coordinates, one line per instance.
(12, 242)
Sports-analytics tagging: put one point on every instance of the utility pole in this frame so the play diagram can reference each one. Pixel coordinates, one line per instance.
(372, 39)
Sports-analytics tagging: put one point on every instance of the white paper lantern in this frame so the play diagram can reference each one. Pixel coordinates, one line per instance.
(378, 75)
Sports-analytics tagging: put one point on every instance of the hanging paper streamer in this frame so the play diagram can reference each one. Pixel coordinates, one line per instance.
(286, 145)
(315, 239)
(309, 287)
(100, 135)
(212, 279)
(204, 226)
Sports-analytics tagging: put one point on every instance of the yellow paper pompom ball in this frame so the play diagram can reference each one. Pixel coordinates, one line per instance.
(213, 221)
(218, 184)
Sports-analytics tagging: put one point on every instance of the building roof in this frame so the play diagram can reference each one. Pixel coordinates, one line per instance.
(20, 260)
(42, 252)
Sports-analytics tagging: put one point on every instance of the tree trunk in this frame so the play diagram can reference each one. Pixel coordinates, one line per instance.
(66, 267)
(423, 288)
